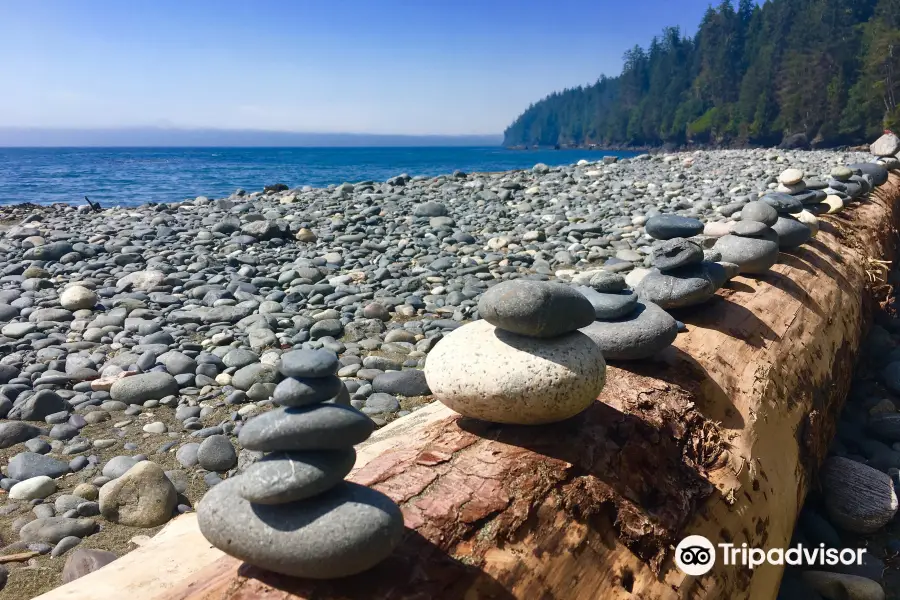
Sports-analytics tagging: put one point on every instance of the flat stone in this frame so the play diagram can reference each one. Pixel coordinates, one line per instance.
(216, 453)
(52, 529)
(345, 531)
(761, 212)
(607, 283)
(876, 171)
(26, 465)
(246, 377)
(317, 427)
(540, 309)
(16, 432)
(283, 477)
(137, 389)
(64, 545)
(487, 373)
(791, 233)
(609, 306)
(409, 383)
(782, 203)
(752, 255)
(31, 489)
(83, 561)
(643, 334)
(679, 288)
(142, 497)
(676, 253)
(858, 498)
(666, 227)
(307, 390)
(118, 466)
(790, 177)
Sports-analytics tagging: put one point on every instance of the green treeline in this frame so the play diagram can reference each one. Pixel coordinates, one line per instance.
(824, 70)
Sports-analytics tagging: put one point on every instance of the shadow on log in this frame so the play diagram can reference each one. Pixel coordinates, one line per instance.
(719, 436)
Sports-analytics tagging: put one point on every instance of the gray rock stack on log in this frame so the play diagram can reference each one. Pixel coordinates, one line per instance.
(292, 512)
(637, 329)
(680, 276)
(525, 362)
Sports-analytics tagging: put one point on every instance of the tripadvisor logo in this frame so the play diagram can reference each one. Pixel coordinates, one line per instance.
(695, 555)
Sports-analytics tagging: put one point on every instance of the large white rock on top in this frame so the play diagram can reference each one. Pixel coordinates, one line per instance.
(77, 297)
(487, 373)
(886, 145)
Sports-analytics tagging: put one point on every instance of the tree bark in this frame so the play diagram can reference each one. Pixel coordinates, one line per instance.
(720, 436)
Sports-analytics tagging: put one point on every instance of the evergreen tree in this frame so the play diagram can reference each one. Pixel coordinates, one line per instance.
(751, 74)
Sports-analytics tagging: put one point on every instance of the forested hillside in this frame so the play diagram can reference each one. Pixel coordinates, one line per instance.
(828, 70)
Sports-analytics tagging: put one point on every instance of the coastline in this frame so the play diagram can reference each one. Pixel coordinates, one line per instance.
(205, 294)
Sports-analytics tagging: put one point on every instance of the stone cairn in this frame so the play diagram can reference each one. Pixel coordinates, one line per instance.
(524, 362)
(681, 277)
(292, 512)
(625, 327)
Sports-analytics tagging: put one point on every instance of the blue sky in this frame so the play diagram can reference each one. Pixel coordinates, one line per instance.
(365, 66)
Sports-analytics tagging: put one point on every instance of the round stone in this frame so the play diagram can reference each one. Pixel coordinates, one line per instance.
(759, 211)
(782, 203)
(666, 227)
(842, 173)
(142, 497)
(307, 390)
(641, 335)
(317, 427)
(878, 173)
(858, 498)
(31, 489)
(345, 531)
(607, 283)
(752, 228)
(137, 389)
(675, 253)
(791, 233)
(810, 220)
(683, 287)
(216, 453)
(308, 363)
(77, 297)
(289, 476)
(609, 306)
(790, 177)
(51, 530)
(407, 383)
(752, 255)
(488, 373)
(886, 145)
(540, 309)
(834, 203)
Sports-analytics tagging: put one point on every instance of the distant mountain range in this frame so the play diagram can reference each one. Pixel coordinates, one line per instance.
(169, 137)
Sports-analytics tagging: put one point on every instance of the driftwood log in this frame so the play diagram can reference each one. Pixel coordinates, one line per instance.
(720, 436)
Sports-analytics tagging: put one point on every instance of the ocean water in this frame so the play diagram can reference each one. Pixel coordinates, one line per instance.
(132, 176)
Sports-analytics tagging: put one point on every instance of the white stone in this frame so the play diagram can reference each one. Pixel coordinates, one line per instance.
(77, 297)
(33, 488)
(835, 204)
(790, 177)
(886, 145)
(717, 228)
(810, 220)
(156, 427)
(486, 373)
(636, 275)
(143, 281)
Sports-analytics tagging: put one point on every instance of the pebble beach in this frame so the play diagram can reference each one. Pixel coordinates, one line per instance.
(153, 334)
